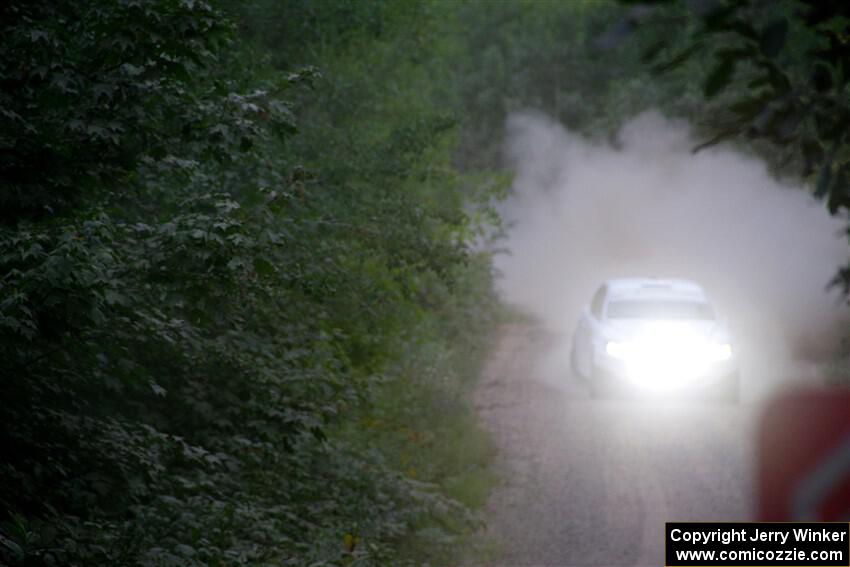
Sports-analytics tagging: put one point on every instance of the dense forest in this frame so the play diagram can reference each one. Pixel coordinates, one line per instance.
(245, 254)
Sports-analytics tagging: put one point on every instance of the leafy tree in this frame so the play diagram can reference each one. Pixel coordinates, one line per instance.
(235, 289)
(779, 80)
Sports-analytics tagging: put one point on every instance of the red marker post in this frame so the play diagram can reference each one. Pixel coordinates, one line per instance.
(804, 457)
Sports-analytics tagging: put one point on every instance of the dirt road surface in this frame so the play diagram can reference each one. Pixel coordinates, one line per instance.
(589, 482)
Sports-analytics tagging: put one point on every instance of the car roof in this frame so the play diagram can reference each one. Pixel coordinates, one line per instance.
(655, 288)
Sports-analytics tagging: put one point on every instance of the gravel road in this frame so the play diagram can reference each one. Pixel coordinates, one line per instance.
(588, 482)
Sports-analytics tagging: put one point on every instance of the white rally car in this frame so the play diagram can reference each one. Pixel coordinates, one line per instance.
(653, 336)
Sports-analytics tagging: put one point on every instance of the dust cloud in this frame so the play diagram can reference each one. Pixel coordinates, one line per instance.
(582, 212)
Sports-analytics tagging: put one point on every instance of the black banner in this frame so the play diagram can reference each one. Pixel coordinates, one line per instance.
(760, 544)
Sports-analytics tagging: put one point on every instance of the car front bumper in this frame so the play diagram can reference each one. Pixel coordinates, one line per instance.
(719, 380)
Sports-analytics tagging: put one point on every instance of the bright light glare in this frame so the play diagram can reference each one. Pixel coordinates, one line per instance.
(618, 350)
(718, 352)
(665, 358)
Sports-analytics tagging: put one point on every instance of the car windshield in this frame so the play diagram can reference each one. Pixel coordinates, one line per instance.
(659, 309)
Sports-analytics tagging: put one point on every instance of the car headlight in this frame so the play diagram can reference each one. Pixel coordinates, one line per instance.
(699, 351)
(665, 357)
(718, 351)
(617, 349)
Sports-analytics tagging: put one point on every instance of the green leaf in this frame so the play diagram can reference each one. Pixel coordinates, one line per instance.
(157, 389)
(772, 37)
(11, 545)
(651, 52)
(821, 77)
(185, 550)
(719, 77)
(824, 178)
(677, 60)
(717, 18)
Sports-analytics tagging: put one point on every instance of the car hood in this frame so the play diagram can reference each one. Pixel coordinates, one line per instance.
(630, 329)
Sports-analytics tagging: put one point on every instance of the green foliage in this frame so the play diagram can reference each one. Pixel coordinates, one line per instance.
(89, 89)
(237, 286)
(540, 56)
(581, 63)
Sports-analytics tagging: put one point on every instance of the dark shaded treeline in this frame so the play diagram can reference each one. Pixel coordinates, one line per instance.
(238, 308)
